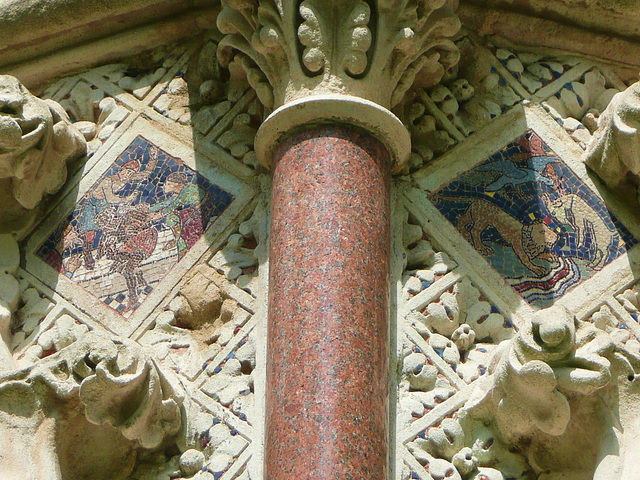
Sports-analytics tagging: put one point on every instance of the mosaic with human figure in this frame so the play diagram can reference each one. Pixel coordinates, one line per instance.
(133, 225)
(533, 220)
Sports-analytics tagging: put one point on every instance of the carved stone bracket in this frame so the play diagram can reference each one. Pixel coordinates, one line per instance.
(614, 152)
(106, 394)
(550, 391)
(37, 141)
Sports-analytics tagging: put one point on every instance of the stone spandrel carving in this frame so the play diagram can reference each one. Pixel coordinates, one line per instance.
(614, 152)
(290, 49)
(560, 386)
(86, 411)
(78, 403)
(37, 141)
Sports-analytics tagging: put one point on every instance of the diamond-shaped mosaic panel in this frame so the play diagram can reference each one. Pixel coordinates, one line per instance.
(533, 220)
(133, 225)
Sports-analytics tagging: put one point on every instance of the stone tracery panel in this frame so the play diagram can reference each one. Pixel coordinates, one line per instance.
(200, 324)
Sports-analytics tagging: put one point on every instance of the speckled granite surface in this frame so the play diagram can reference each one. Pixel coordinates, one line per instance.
(327, 371)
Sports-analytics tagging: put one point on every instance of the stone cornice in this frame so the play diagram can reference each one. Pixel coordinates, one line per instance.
(600, 39)
(615, 17)
(67, 35)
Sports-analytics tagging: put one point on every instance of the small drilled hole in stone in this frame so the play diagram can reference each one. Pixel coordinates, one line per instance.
(631, 378)
(89, 362)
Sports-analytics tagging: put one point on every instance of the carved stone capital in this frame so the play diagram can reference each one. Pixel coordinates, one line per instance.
(373, 50)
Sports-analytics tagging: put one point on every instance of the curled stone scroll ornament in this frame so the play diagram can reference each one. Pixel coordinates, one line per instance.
(37, 141)
(86, 406)
(552, 357)
(86, 411)
(556, 388)
(290, 49)
(614, 152)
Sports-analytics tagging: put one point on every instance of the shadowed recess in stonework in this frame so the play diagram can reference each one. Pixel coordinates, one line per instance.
(533, 220)
(133, 225)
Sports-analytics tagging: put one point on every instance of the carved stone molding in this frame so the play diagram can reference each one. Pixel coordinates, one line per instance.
(43, 39)
(374, 50)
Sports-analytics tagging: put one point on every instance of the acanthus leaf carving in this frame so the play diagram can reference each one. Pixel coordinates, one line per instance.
(418, 42)
(348, 54)
(255, 30)
(310, 35)
(361, 38)
(369, 49)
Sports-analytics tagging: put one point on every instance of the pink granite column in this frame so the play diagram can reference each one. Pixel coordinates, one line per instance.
(327, 367)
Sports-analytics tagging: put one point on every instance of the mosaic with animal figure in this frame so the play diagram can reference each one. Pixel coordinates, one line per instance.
(533, 220)
(133, 225)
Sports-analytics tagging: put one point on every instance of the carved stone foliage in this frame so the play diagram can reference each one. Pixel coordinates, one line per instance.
(371, 49)
(548, 391)
(37, 142)
(614, 152)
(171, 392)
(475, 92)
(469, 96)
(105, 389)
(69, 380)
(573, 90)
(450, 330)
(206, 335)
(490, 80)
(488, 391)
(93, 112)
(579, 104)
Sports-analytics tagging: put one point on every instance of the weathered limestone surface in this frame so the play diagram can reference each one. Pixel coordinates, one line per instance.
(37, 141)
(614, 152)
(36, 27)
(616, 17)
(86, 408)
(551, 390)
(124, 365)
(605, 30)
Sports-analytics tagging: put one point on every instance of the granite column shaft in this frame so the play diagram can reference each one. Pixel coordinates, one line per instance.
(327, 367)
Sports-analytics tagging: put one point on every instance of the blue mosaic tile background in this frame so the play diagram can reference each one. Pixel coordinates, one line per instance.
(533, 220)
(133, 225)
